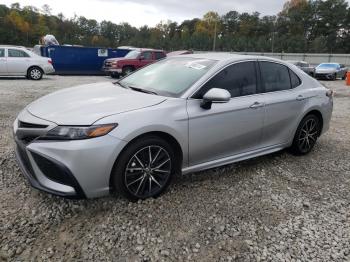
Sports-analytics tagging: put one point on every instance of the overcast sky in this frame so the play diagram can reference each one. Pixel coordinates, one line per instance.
(151, 12)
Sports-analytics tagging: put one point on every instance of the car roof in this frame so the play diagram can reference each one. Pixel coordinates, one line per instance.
(224, 57)
(148, 49)
(13, 46)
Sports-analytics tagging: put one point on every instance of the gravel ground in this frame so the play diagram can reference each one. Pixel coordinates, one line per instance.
(273, 208)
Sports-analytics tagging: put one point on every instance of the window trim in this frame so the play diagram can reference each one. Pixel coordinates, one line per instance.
(290, 79)
(258, 84)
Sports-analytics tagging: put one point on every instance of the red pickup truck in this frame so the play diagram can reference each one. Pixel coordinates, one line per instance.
(135, 59)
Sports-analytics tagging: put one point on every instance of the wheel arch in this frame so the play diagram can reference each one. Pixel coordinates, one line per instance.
(161, 134)
(318, 114)
(35, 66)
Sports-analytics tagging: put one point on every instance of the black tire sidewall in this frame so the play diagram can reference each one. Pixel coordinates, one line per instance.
(295, 146)
(127, 69)
(118, 173)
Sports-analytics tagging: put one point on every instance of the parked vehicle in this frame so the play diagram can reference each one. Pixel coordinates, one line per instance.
(19, 61)
(331, 71)
(305, 66)
(79, 60)
(132, 61)
(182, 114)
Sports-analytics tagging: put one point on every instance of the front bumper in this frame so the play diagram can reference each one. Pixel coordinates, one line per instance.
(112, 70)
(327, 76)
(73, 169)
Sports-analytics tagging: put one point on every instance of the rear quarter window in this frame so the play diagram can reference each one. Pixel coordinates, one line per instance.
(294, 79)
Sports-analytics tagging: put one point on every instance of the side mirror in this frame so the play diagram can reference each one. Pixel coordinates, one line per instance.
(215, 95)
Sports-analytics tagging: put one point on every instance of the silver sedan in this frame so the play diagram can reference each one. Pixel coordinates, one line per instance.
(180, 115)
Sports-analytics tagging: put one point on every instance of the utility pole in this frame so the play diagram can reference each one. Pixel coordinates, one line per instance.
(214, 42)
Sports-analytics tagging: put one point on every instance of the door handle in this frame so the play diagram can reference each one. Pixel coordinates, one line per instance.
(257, 105)
(300, 98)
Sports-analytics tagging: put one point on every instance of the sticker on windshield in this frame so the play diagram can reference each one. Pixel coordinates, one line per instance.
(195, 65)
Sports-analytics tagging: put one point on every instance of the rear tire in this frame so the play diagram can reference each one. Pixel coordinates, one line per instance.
(306, 135)
(35, 73)
(144, 169)
(344, 77)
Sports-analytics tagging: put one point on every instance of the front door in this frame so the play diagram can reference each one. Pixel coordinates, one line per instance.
(146, 58)
(3, 64)
(230, 128)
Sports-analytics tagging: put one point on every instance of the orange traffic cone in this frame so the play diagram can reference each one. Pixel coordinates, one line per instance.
(348, 78)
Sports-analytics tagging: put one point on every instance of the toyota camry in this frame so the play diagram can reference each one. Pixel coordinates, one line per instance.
(180, 115)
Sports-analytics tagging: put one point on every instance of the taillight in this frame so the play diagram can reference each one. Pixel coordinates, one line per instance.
(49, 61)
(330, 93)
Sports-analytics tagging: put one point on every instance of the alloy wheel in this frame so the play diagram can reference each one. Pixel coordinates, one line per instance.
(308, 135)
(35, 74)
(148, 171)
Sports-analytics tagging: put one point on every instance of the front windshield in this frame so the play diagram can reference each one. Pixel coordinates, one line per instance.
(133, 54)
(328, 66)
(169, 77)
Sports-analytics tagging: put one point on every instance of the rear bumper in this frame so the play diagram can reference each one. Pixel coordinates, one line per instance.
(48, 69)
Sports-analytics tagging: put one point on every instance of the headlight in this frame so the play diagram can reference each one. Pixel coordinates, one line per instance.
(78, 132)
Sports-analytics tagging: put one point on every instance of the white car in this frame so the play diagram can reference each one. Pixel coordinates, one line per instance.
(19, 61)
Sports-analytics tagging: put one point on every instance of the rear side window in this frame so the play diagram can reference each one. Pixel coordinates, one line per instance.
(2, 52)
(239, 79)
(17, 53)
(294, 79)
(275, 76)
(159, 55)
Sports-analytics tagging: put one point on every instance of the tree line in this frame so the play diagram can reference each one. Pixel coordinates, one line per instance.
(314, 26)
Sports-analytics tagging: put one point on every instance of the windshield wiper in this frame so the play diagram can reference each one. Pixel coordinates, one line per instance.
(120, 84)
(143, 90)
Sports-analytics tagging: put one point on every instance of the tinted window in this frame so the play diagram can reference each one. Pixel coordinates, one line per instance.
(2, 52)
(238, 79)
(147, 55)
(294, 79)
(275, 76)
(17, 53)
(159, 55)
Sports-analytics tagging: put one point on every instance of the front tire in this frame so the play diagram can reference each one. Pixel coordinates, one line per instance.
(127, 70)
(306, 135)
(35, 73)
(144, 169)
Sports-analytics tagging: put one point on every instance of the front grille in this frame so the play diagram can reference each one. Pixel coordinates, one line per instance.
(30, 125)
(108, 64)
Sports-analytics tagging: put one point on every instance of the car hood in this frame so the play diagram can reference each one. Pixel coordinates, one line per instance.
(84, 105)
(326, 70)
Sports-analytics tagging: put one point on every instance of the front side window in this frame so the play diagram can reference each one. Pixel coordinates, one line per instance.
(239, 79)
(169, 77)
(147, 55)
(2, 52)
(159, 55)
(275, 76)
(17, 53)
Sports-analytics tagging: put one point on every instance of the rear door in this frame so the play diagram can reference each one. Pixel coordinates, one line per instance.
(3, 63)
(18, 61)
(284, 102)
